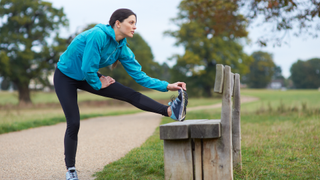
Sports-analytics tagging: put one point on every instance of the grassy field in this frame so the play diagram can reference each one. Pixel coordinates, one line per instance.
(280, 140)
(50, 97)
(280, 132)
(47, 110)
(282, 99)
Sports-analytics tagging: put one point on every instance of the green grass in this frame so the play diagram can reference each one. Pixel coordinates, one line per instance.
(273, 147)
(283, 146)
(50, 97)
(21, 125)
(280, 143)
(290, 98)
(280, 133)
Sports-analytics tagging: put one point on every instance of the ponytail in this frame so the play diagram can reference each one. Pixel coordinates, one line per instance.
(114, 65)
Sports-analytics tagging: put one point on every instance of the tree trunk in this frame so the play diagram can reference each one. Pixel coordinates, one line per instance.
(208, 91)
(24, 94)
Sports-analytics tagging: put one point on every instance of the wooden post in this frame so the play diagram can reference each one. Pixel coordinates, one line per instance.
(236, 125)
(217, 153)
(218, 83)
(232, 84)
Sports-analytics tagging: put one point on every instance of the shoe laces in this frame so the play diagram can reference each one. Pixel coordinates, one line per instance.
(73, 174)
(173, 101)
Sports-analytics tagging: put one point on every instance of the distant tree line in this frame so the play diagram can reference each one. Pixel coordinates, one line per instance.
(306, 74)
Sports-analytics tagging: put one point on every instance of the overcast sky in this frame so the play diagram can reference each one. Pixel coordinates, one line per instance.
(154, 18)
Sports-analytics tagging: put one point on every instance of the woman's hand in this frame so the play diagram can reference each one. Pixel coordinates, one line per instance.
(106, 81)
(176, 86)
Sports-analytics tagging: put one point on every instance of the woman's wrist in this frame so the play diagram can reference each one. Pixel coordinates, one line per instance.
(177, 86)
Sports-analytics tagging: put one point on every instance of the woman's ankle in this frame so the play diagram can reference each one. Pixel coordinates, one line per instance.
(169, 111)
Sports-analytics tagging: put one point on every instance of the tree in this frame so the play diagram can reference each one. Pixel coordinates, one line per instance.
(163, 72)
(261, 70)
(277, 74)
(219, 17)
(230, 17)
(5, 85)
(202, 53)
(143, 55)
(280, 17)
(25, 35)
(306, 74)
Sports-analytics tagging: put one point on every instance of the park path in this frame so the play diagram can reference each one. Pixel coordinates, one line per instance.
(38, 153)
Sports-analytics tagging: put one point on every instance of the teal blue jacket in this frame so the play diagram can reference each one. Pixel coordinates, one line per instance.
(97, 48)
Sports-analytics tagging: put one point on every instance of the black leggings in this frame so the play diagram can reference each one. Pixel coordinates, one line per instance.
(66, 90)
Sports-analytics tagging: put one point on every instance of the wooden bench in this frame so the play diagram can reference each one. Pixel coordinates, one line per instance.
(205, 149)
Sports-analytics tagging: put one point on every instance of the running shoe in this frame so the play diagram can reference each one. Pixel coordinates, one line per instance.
(72, 174)
(178, 106)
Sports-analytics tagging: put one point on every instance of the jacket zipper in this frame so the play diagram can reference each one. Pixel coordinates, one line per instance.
(111, 54)
(107, 59)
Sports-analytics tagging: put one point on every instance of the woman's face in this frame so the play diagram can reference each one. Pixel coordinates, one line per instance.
(128, 26)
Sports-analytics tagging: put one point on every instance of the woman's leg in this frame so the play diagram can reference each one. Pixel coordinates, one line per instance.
(121, 92)
(66, 90)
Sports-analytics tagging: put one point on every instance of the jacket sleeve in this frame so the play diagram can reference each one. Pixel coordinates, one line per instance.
(134, 69)
(91, 58)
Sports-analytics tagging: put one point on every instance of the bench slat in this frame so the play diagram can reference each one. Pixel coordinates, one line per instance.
(206, 129)
(218, 83)
(232, 84)
(177, 130)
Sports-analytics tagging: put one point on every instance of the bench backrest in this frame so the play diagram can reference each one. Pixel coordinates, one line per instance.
(228, 84)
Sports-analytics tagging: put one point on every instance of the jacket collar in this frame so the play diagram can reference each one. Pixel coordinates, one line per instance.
(110, 32)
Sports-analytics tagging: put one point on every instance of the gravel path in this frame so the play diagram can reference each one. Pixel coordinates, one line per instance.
(38, 153)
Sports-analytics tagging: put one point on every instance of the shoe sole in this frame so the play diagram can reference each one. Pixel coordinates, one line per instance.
(182, 110)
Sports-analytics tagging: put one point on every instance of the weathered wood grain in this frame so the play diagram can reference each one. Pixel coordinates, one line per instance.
(236, 125)
(218, 83)
(176, 130)
(212, 162)
(232, 84)
(178, 159)
(217, 153)
(206, 129)
(207, 149)
(197, 159)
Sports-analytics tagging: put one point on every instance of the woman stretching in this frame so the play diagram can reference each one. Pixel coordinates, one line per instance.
(78, 67)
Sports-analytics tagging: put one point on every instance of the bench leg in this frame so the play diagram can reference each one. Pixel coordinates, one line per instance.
(198, 160)
(217, 164)
(178, 159)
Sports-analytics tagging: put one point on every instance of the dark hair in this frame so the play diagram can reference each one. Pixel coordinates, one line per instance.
(120, 15)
